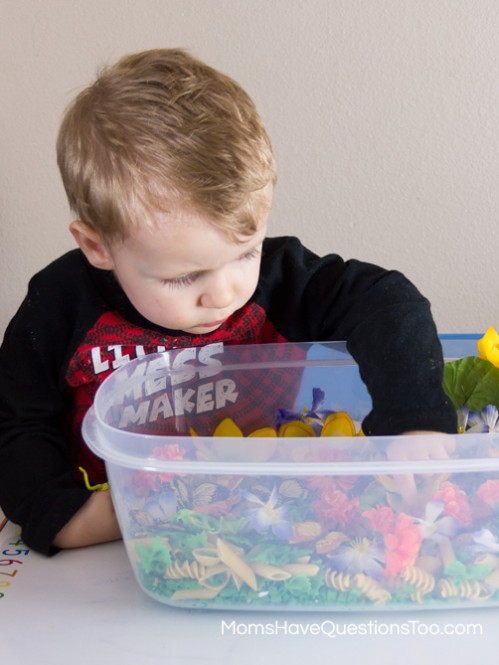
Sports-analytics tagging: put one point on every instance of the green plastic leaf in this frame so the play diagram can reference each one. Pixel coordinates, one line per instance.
(155, 557)
(472, 382)
(460, 572)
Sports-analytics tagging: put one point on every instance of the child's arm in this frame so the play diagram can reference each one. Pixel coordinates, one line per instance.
(384, 319)
(95, 522)
(37, 484)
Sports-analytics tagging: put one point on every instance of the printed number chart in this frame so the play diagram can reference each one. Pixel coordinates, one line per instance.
(13, 556)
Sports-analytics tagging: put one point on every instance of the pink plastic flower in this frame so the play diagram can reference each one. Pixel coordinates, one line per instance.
(486, 499)
(145, 481)
(488, 492)
(456, 504)
(402, 545)
(402, 537)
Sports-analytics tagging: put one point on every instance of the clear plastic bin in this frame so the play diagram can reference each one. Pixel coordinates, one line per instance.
(246, 519)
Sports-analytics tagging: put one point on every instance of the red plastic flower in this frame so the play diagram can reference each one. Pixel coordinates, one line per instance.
(335, 508)
(456, 504)
(380, 519)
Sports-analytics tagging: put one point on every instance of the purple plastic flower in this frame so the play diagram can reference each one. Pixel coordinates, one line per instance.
(482, 422)
(432, 525)
(269, 515)
(484, 542)
(314, 417)
(359, 556)
(161, 507)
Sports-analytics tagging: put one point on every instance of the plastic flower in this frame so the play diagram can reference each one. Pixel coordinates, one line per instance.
(433, 524)
(484, 421)
(269, 515)
(144, 481)
(488, 493)
(485, 541)
(462, 419)
(401, 536)
(488, 346)
(455, 503)
(313, 417)
(360, 555)
(486, 500)
(335, 508)
(338, 424)
(380, 519)
(402, 545)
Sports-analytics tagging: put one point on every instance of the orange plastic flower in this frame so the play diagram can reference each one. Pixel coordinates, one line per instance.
(456, 503)
(488, 346)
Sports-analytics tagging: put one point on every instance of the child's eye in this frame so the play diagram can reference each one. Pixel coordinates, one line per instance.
(178, 282)
(252, 254)
(187, 280)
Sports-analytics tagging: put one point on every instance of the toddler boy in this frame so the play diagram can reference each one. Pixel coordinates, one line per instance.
(170, 174)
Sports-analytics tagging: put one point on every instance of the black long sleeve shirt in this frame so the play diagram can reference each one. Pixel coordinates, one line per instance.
(76, 325)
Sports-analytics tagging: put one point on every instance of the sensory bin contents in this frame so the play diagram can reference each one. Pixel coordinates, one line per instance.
(323, 540)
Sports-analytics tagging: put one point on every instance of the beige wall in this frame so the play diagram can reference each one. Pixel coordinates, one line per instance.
(384, 116)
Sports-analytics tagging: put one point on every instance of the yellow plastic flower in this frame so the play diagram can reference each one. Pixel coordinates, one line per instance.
(263, 432)
(296, 428)
(227, 428)
(338, 424)
(488, 346)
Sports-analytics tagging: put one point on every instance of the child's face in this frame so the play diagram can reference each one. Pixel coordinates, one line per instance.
(185, 274)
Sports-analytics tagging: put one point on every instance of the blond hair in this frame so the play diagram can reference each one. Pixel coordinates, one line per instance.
(158, 129)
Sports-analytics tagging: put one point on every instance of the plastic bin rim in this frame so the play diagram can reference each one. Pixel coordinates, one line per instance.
(100, 446)
(101, 401)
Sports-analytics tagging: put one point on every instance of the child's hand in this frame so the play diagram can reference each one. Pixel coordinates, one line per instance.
(440, 446)
(435, 445)
(94, 523)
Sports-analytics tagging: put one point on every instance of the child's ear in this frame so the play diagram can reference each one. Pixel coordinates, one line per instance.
(91, 244)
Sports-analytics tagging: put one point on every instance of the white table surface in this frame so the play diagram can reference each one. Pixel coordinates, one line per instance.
(85, 607)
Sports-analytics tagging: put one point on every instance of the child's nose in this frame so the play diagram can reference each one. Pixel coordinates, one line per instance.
(219, 292)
